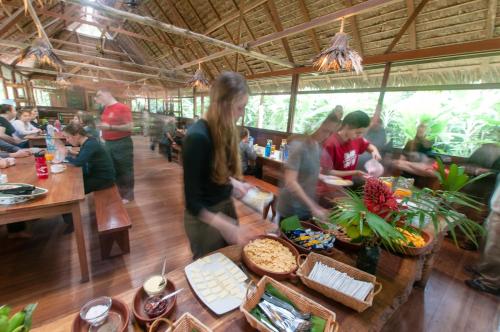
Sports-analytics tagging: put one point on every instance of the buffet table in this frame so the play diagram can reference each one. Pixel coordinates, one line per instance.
(397, 275)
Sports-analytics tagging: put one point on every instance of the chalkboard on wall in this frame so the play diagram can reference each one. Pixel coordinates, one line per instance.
(76, 98)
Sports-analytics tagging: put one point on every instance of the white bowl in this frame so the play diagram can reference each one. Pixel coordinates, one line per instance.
(96, 311)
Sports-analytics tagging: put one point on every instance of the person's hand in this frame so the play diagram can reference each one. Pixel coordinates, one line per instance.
(240, 189)
(104, 126)
(376, 155)
(320, 213)
(4, 163)
(245, 234)
(21, 153)
(360, 173)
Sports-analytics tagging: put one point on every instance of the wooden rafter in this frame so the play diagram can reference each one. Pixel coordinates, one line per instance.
(353, 21)
(312, 32)
(275, 18)
(10, 21)
(406, 25)
(412, 30)
(439, 53)
(233, 16)
(179, 31)
(36, 21)
(491, 18)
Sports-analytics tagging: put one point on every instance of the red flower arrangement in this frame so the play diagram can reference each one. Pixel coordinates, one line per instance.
(378, 198)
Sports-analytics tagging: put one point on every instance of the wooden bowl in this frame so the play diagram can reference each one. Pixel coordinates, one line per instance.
(117, 306)
(275, 275)
(304, 250)
(412, 251)
(140, 298)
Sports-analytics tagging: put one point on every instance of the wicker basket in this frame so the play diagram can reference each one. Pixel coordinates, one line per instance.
(186, 323)
(345, 299)
(301, 302)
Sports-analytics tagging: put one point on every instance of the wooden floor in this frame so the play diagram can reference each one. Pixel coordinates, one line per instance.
(45, 269)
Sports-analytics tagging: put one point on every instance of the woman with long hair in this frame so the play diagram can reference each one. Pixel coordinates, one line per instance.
(212, 167)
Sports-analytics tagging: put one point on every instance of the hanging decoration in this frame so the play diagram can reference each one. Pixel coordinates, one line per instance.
(62, 82)
(339, 56)
(198, 80)
(42, 53)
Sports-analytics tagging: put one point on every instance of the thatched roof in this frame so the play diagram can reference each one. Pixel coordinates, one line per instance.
(163, 54)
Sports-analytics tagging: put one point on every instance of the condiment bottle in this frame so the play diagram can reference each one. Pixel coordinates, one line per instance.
(42, 171)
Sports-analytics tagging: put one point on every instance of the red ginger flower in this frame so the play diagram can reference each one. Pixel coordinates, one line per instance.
(378, 198)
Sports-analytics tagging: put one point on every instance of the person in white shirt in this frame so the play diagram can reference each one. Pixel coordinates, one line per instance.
(23, 125)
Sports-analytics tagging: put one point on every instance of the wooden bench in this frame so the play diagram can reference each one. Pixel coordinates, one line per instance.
(113, 221)
(268, 187)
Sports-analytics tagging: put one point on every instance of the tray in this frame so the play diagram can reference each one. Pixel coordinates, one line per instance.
(275, 275)
(207, 274)
(8, 199)
(349, 301)
(138, 305)
(301, 302)
(117, 307)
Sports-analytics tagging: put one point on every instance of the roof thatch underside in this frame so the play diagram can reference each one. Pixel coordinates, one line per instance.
(441, 23)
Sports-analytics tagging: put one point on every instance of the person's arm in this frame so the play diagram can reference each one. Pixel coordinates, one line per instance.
(21, 130)
(293, 186)
(374, 152)
(86, 152)
(20, 153)
(121, 127)
(8, 147)
(250, 152)
(7, 138)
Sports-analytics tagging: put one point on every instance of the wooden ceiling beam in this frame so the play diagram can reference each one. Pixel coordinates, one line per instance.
(103, 27)
(34, 16)
(312, 32)
(357, 9)
(10, 21)
(275, 18)
(86, 46)
(412, 30)
(353, 21)
(439, 53)
(405, 26)
(233, 16)
(491, 18)
(180, 31)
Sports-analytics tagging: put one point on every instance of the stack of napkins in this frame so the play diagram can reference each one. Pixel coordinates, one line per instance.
(257, 199)
(340, 281)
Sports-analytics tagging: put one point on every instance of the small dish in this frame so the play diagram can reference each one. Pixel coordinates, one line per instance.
(96, 311)
(155, 285)
(117, 320)
(57, 168)
(140, 299)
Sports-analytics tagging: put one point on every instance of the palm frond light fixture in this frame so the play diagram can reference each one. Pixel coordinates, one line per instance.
(198, 80)
(339, 56)
(62, 82)
(42, 53)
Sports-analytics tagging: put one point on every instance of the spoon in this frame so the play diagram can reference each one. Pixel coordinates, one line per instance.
(163, 272)
(166, 297)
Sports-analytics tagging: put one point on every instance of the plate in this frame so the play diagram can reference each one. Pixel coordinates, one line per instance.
(218, 282)
(335, 181)
(8, 199)
(117, 313)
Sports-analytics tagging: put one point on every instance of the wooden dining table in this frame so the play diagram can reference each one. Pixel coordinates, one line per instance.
(38, 141)
(397, 274)
(65, 193)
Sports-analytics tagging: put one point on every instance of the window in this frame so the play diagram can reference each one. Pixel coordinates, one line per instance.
(458, 121)
(187, 107)
(267, 112)
(312, 109)
(139, 104)
(2, 91)
(156, 105)
(42, 97)
(87, 29)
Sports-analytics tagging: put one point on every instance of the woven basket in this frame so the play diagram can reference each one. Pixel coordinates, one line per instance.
(301, 302)
(348, 301)
(412, 251)
(186, 323)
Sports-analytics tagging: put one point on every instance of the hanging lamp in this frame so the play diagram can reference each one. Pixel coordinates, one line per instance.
(198, 80)
(42, 53)
(339, 56)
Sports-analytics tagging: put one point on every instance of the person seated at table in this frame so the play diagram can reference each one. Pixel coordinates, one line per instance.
(23, 125)
(212, 166)
(77, 119)
(302, 171)
(7, 114)
(88, 123)
(247, 153)
(339, 112)
(420, 143)
(342, 149)
(169, 135)
(97, 167)
(34, 118)
(21, 153)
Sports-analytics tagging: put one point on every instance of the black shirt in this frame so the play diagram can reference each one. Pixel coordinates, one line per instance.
(197, 155)
(94, 160)
(9, 128)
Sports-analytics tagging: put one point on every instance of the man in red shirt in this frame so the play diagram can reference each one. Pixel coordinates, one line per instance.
(116, 125)
(342, 149)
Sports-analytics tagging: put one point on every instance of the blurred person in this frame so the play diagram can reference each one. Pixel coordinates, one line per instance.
(342, 149)
(97, 166)
(339, 112)
(77, 118)
(89, 125)
(23, 125)
(169, 135)
(212, 167)
(155, 131)
(116, 125)
(247, 153)
(420, 143)
(487, 271)
(34, 118)
(7, 130)
(21, 153)
(302, 171)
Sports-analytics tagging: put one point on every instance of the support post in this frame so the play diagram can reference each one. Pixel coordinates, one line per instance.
(385, 79)
(293, 102)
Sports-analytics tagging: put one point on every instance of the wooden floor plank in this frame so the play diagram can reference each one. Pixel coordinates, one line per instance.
(45, 268)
